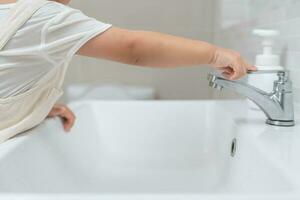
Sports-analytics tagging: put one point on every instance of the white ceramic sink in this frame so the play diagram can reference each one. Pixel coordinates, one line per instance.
(154, 150)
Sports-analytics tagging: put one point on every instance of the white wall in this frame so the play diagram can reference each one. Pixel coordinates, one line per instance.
(188, 18)
(236, 19)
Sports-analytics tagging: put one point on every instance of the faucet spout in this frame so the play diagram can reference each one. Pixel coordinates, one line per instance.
(277, 105)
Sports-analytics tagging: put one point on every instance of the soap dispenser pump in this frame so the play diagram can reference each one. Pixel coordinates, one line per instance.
(265, 61)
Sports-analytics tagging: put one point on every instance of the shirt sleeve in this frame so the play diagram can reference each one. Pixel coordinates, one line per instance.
(67, 32)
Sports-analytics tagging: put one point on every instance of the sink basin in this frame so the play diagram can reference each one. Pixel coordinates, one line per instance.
(154, 149)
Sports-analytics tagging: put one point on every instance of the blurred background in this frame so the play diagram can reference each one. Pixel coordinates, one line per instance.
(228, 23)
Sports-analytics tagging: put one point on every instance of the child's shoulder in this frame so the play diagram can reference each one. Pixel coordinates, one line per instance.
(52, 8)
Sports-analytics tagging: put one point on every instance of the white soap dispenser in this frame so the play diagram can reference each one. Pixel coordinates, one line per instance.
(265, 61)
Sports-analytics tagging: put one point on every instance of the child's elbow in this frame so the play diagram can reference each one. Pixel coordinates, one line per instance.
(134, 49)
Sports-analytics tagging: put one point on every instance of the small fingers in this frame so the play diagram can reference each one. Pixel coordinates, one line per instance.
(251, 67)
(56, 110)
(231, 64)
(248, 67)
(228, 70)
(241, 68)
(238, 72)
(68, 119)
(66, 115)
(227, 75)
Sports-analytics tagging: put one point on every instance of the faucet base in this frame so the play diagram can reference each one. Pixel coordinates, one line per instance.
(280, 123)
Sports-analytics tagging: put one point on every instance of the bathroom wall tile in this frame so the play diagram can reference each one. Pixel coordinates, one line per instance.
(292, 9)
(292, 44)
(290, 27)
(293, 60)
(282, 15)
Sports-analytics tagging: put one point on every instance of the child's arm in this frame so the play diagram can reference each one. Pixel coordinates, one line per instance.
(62, 1)
(160, 50)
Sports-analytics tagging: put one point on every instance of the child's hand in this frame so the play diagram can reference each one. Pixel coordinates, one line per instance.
(66, 115)
(232, 65)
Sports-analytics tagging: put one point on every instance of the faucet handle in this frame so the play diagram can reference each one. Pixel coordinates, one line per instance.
(283, 75)
(282, 72)
(283, 83)
(212, 78)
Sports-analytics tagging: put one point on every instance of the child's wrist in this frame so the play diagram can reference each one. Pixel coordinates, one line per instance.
(212, 53)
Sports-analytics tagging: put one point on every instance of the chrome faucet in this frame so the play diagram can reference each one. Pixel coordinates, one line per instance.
(277, 105)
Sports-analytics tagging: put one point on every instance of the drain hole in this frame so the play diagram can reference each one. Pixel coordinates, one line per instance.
(233, 147)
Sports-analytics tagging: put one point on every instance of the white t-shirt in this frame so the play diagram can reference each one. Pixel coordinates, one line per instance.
(48, 39)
